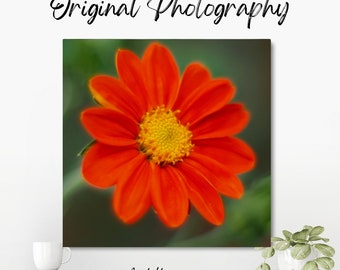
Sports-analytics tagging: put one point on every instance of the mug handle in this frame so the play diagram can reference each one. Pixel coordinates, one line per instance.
(69, 253)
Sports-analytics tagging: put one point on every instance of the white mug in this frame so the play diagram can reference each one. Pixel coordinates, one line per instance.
(49, 255)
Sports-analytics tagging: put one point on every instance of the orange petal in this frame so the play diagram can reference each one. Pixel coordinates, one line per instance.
(132, 198)
(169, 196)
(109, 127)
(216, 174)
(112, 93)
(233, 153)
(130, 71)
(210, 97)
(230, 120)
(102, 163)
(162, 75)
(202, 195)
(194, 76)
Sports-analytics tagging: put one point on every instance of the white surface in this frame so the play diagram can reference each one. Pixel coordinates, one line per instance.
(306, 128)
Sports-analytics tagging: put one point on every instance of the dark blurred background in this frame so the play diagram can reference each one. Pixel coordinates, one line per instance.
(88, 218)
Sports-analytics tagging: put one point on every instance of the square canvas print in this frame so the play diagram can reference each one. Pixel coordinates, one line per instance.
(166, 143)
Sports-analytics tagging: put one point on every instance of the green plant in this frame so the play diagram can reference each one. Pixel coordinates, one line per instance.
(302, 243)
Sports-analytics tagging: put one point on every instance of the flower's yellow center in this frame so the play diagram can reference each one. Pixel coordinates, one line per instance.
(162, 138)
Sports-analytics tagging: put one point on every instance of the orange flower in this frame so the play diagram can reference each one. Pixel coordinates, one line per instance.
(165, 141)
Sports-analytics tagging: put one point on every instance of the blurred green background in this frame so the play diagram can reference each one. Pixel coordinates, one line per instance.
(88, 220)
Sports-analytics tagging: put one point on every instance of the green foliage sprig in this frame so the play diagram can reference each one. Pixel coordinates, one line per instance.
(302, 243)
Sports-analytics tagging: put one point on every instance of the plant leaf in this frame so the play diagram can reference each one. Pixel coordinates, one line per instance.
(325, 249)
(281, 245)
(268, 252)
(314, 238)
(300, 237)
(311, 265)
(307, 227)
(275, 239)
(301, 251)
(317, 238)
(263, 266)
(325, 262)
(317, 230)
(287, 235)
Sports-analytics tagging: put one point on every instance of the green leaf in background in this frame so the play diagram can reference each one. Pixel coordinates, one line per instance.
(240, 213)
(325, 249)
(263, 266)
(325, 262)
(287, 234)
(281, 245)
(301, 251)
(268, 252)
(311, 265)
(317, 231)
(86, 147)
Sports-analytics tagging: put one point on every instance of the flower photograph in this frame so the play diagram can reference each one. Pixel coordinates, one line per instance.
(166, 143)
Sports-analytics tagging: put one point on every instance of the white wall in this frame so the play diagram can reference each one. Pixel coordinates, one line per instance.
(306, 128)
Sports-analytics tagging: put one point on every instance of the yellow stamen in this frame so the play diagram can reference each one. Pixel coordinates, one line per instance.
(162, 138)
